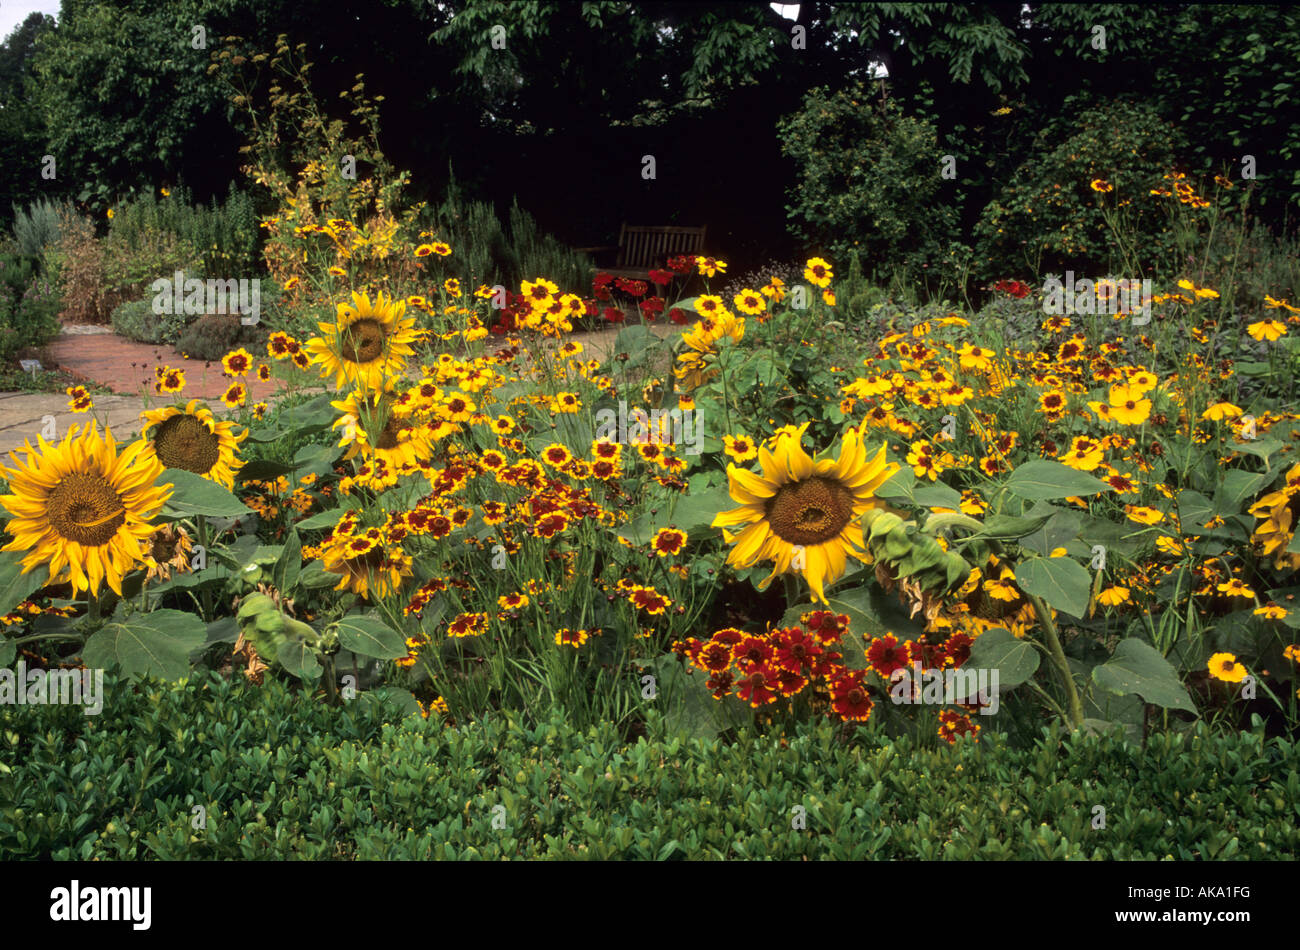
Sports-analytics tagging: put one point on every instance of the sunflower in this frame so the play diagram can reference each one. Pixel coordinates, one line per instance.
(400, 441)
(366, 567)
(366, 343)
(801, 514)
(83, 509)
(169, 547)
(701, 341)
(1277, 513)
(192, 439)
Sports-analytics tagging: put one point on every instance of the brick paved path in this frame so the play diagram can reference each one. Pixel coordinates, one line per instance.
(95, 354)
(126, 366)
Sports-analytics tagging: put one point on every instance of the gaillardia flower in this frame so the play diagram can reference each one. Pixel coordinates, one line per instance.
(84, 509)
(804, 515)
(366, 343)
(192, 439)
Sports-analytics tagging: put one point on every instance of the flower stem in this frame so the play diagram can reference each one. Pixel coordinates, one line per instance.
(1058, 655)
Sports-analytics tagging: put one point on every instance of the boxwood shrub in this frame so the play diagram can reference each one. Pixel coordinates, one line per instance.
(281, 776)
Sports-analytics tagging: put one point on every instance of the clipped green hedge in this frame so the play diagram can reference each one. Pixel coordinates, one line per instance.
(281, 776)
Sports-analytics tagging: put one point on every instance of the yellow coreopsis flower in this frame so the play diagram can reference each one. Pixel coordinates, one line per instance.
(1224, 666)
(1269, 330)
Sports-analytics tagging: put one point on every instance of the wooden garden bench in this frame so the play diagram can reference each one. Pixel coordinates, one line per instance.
(643, 247)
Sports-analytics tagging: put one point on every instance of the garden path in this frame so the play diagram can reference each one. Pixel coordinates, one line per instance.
(97, 355)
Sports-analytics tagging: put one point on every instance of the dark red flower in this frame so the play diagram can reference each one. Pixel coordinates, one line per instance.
(849, 698)
(886, 655)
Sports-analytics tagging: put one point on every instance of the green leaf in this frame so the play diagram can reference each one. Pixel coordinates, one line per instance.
(1060, 529)
(156, 644)
(937, 495)
(367, 635)
(1043, 480)
(225, 630)
(902, 484)
(689, 707)
(392, 698)
(315, 459)
(297, 651)
(1137, 667)
(314, 575)
(872, 613)
(1237, 487)
(15, 586)
(322, 519)
(1009, 527)
(8, 650)
(313, 414)
(1263, 448)
(1061, 581)
(195, 495)
(689, 513)
(692, 512)
(287, 567)
(997, 649)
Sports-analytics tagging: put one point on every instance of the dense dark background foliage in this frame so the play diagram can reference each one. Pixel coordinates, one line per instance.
(562, 116)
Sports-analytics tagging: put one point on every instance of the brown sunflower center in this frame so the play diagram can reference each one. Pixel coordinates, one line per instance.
(388, 437)
(372, 560)
(363, 341)
(163, 546)
(811, 511)
(183, 441)
(85, 508)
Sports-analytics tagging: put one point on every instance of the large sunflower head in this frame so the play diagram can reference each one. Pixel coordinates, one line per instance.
(192, 439)
(82, 508)
(804, 515)
(366, 344)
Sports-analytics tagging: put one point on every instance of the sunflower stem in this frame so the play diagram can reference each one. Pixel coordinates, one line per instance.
(201, 524)
(792, 592)
(1044, 614)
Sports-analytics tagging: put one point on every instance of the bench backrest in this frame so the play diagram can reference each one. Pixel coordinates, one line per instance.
(645, 246)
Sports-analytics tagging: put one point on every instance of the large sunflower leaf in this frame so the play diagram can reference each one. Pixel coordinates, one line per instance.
(369, 636)
(15, 586)
(157, 644)
(314, 414)
(322, 519)
(689, 707)
(195, 495)
(1043, 480)
(1137, 667)
(1061, 581)
(998, 649)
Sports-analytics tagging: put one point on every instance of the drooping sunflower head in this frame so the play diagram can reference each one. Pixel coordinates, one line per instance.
(192, 439)
(804, 515)
(367, 343)
(366, 567)
(83, 508)
(379, 426)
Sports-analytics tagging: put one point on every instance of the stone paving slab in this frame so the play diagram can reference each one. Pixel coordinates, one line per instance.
(25, 416)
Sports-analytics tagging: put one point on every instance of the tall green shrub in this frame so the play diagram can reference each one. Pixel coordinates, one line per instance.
(868, 178)
(1048, 217)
